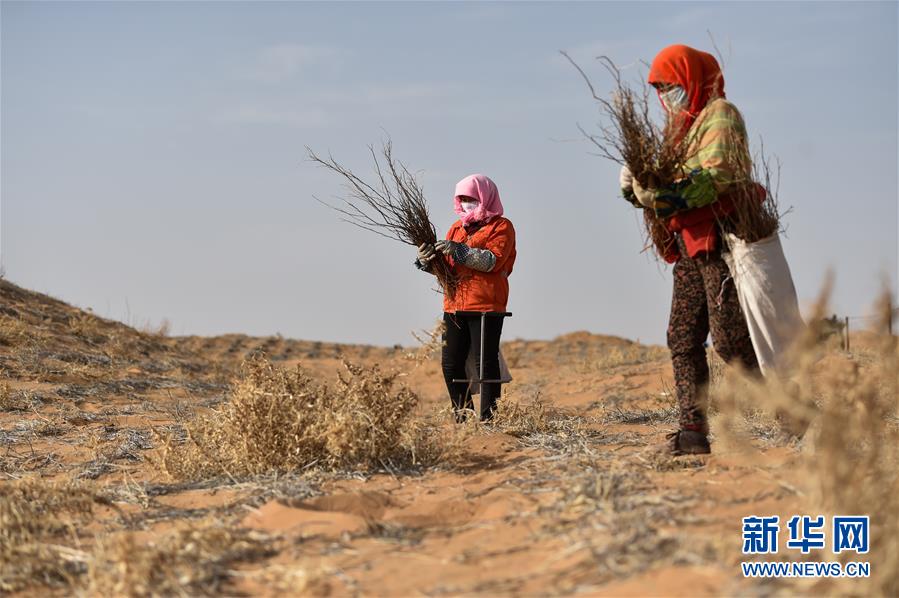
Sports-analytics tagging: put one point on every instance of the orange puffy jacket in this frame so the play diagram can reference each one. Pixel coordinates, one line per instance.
(483, 291)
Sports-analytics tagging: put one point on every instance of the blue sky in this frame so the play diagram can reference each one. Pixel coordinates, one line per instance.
(153, 164)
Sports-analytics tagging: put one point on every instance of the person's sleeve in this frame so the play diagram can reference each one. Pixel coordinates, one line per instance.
(481, 260)
(502, 244)
(723, 156)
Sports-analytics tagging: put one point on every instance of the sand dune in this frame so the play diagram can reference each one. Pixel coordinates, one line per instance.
(582, 505)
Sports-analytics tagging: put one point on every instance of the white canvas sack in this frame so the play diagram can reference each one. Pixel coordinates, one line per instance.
(767, 296)
(471, 371)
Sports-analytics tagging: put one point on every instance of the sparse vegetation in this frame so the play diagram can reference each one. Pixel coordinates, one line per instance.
(87, 326)
(844, 414)
(13, 331)
(192, 560)
(627, 355)
(567, 475)
(37, 519)
(284, 420)
(11, 400)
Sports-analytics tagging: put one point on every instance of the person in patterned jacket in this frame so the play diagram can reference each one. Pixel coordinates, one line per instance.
(691, 88)
(480, 248)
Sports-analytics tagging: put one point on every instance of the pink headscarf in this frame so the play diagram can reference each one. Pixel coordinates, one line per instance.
(484, 190)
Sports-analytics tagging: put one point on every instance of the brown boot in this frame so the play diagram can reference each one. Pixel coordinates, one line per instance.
(688, 442)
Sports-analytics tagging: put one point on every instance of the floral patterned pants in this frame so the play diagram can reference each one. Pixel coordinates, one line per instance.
(704, 301)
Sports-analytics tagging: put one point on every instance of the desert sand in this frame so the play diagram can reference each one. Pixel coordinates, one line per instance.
(585, 506)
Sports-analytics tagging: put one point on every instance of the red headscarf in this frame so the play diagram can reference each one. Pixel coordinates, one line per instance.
(700, 75)
(697, 72)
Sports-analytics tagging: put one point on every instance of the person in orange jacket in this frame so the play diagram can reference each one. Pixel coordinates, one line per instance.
(480, 248)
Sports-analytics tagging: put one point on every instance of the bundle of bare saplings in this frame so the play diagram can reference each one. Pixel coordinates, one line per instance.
(657, 159)
(392, 206)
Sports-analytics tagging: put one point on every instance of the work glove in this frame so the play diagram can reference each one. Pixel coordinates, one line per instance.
(646, 197)
(625, 178)
(447, 247)
(425, 253)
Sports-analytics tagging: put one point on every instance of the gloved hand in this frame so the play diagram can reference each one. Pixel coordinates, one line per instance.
(477, 259)
(447, 247)
(625, 178)
(646, 197)
(425, 253)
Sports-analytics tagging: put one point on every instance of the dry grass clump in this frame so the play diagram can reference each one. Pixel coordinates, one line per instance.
(283, 420)
(11, 400)
(393, 206)
(518, 419)
(13, 331)
(628, 355)
(36, 517)
(850, 409)
(87, 326)
(616, 515)
(157, 331)
(430, 343)
(189, 561)
(539, 425)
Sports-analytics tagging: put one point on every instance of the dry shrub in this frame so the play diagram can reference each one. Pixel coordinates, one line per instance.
(87, 326)
(11, 400)
(846, 410)
(157, 331)
(13, 331)
(36, 516)
(430, 343)
(190, 561)
(517, 419)
(283, 420)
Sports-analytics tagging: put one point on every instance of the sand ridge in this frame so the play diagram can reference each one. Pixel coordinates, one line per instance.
(593, 511)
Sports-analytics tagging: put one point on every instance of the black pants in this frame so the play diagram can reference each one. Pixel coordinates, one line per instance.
(463, 332)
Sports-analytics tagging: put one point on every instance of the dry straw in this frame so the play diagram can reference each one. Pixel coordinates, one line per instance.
(393, 206)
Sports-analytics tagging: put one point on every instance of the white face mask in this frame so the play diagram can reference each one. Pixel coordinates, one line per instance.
(675, 99)
(468, 206)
